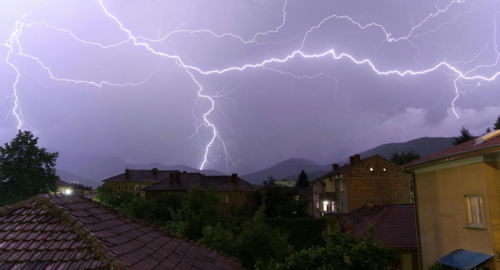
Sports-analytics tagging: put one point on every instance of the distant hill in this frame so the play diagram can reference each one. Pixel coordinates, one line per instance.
(425, 146)
(290, 169)
(96, 168)
(72, 178)
(283, 170)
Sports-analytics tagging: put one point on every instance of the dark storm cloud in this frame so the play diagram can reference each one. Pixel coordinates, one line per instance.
(264, 115)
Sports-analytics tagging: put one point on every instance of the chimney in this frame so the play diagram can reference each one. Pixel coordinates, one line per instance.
(357, 158)
(352, 161)
(155, 171)
(177, 176)
(335, 167)
(127, 173)
(234, 178)
(184, 172)
(171, 177)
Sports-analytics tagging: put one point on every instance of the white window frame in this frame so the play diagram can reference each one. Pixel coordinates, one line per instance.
(474, 210)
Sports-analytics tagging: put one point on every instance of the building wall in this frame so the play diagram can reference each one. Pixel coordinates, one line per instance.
(130, 184)
(442, 209)
(492, 177)
(237, 198)
(377, 186)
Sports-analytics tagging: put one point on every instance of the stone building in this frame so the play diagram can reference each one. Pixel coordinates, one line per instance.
(372, 180)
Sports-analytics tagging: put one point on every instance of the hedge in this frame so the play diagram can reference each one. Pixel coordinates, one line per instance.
(303, 233)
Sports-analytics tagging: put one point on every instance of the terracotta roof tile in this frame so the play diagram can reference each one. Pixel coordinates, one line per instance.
(463, 148)
(186, 180)
(394, 224)
(73, 232)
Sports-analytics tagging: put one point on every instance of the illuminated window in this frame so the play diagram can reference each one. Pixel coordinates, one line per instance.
(474, 210)
(325, 206)
(317, 205)
(333, 206)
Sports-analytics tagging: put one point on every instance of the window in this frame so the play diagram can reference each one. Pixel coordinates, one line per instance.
(125, 187)
(340, 185)
(333, 206)
(342, 206)
(325, 206)
(317, 205)
(130, 187)
(474, 210)
(225, 199)
(117, 187)
(139, 187)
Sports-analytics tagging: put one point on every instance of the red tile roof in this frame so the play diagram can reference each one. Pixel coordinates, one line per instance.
(140, 176)
(467, 147)
(394, 224)
(344, 168)
(74, 232)
(186, 180)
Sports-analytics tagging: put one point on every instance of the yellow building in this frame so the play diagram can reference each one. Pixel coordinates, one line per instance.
(457, 197)
(64, 187)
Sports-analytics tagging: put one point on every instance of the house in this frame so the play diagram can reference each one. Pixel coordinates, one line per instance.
(64, 187)
(136, 180)
(74, 232)
(457, 202)
(394, 226)
(306, 196)
(233, 189)
(361, 181)
(285, 183)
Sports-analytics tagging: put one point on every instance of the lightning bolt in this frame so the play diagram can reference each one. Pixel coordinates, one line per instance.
(459, 76)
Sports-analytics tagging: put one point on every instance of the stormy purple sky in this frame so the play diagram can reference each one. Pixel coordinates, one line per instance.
(87, 86)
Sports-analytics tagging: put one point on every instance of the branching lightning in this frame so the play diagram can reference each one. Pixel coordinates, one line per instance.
(473, 76)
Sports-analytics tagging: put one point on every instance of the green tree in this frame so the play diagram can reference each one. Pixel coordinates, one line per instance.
(200, 208)
(260, 245)
(25, 169)
(404, 157)
(278, 201)
(344, 251)
(488, 130)
(497, 124)
(465, 136)
(302, 182)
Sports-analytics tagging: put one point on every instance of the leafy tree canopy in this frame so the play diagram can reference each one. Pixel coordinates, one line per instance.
(200, 208)
(279, 201)
(465, 136)
(488, 130)
(25, 169)
(302, 182)
(344, 251)
(404, 157)
(497, 124)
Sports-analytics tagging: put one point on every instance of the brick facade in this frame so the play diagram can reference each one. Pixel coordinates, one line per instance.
(351, 186)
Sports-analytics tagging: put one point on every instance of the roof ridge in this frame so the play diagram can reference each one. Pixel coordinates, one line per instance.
(80, 229)
(160, 230)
